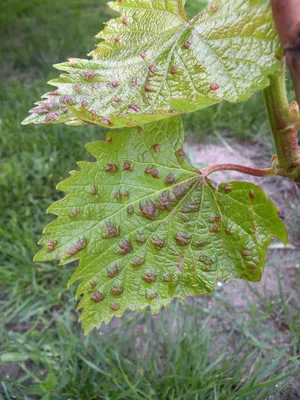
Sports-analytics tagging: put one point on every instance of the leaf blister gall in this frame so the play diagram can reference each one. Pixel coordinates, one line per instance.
(150, 277)
(78, 246)
(111, 231)
(130, 210)
(116, 290)
(182, 239)
(125, 247)
(170, 179)
(148, 209)
(111, 168)
(97, 297)
(51, 245)
(113, 271)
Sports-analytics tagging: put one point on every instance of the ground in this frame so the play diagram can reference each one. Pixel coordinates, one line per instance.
(241, 342)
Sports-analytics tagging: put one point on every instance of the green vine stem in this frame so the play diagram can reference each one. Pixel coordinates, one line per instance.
(287, 19)
(284, 133)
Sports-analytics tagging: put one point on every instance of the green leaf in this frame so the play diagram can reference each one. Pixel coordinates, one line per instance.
(147, 227)
(153, 63)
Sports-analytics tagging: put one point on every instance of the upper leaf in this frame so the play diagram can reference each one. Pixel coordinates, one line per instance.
(147, 227)
(153, 63)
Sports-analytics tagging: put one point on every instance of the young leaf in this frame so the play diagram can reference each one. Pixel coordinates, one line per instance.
(147, 227)
(153, 63)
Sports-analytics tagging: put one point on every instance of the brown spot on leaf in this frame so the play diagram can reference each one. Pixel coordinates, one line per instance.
(113, 271)
(138, 262)
(148, 88)
(66, 99)
(114, 307)
(191, 207)
(111, 231)
(217, 218)
(118, 39)
(106, 121)
(149, 277)
(180, 190)
(118, 196)
(54, 93)
(92, 284)
(51, 245)
(187, 45)
(125, 247)
(116, 100)
(111, 168)
(227, 188)
(163, 202)
(127, 166)
(215, 228)
(170, 179)
(245, 253)
(94, 191)
(166, 278)
(180, 154)
(79, 245)
(109, 140)
(143, 55)
(152, 296)
(97, 297)
(89, 74)
(174, 70)
(74, 212)
(152, 171)
(200, 243)
(159, 243)
(130, 210)
(133, 107)
(214, 86)
(114, 84)
(183, 239)
(51, 117)
(152, 69)
(252, 194)
(156, 147)
(83, 104)
(140, 239)
(125, 20)
(148, 209)
(205, 261)
(116, 290)
(228, 231)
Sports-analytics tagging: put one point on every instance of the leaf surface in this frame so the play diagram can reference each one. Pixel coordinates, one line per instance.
(147, 227)
(153, 63)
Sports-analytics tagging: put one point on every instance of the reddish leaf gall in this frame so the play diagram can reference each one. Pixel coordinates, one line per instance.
(97, 297)
(51, 245)
(214, 86)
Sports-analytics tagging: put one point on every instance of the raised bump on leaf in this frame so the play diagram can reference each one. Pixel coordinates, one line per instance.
(125, 247)
(97, 297)
(51, 245)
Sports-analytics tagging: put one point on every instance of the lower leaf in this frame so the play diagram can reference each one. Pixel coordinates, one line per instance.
(146, 227)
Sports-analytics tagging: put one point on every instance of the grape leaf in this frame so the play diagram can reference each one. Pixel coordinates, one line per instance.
(153, 63)
(147, 227)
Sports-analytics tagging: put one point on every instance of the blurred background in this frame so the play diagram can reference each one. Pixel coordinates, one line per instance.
(241, 342)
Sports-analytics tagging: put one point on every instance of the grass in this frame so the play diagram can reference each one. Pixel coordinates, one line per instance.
(199, 349)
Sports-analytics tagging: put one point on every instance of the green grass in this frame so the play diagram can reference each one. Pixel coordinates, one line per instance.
(199, 349)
